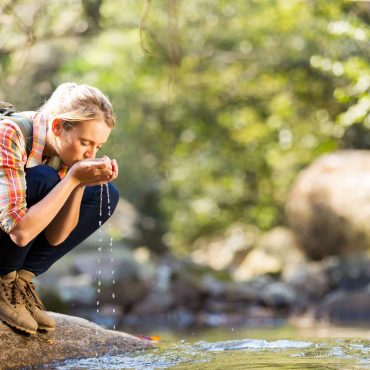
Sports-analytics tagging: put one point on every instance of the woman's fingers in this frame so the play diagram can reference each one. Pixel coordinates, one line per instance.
(98, 171)
(115, 169)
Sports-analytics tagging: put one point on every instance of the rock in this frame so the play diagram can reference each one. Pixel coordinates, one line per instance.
(279, 295)
(73, 338)
(258, 262)
(275, 253)
(317, 280)
(350, 272)
(311, 281)
(223, 251)
(345, 307)
(154, 303)
(328, 207)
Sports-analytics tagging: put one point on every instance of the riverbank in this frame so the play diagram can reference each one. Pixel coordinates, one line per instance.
(133, 288)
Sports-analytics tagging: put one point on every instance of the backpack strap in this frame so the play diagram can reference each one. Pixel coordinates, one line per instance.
(25, 125)
(7, 111)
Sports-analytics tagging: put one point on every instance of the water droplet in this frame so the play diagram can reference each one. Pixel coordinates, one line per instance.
(98, 290)
(113, 282)
(97, 303)
(114, 310)
(113, 295)
(112, 272)
(99, 283)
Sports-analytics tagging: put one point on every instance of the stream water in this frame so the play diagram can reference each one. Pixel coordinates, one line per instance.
(229, 348)
(279, 348)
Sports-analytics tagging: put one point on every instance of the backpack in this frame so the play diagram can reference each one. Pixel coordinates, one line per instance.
(7, 111)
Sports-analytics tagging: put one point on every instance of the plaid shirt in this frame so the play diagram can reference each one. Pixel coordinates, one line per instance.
(14, 160)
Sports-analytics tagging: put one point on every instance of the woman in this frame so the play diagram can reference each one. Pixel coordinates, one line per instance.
(50, 194)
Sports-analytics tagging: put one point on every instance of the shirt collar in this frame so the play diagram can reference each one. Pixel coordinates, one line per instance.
(40, 122)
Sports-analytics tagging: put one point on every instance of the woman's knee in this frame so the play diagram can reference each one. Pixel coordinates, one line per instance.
(42, 174)
(40, 180)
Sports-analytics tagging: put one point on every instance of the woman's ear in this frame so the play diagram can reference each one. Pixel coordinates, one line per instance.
(56, 126)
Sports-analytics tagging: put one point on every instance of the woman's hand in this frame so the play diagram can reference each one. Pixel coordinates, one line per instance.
(97, 171)
(114, 169)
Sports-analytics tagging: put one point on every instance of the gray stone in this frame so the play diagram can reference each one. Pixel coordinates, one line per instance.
(73, 338)
(345, 307)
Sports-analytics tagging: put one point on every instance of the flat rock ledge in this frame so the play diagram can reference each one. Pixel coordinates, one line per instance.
(74, 338)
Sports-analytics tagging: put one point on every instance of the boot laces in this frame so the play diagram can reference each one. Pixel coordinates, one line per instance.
(13, 288)
(30, 294)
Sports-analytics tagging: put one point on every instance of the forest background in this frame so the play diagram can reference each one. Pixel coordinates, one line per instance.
(219, 104)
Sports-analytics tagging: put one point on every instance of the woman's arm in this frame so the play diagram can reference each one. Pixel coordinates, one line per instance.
(67, 218)
(39, 215)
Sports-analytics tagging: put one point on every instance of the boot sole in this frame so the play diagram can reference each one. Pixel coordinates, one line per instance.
(46, 328)
(14, 325)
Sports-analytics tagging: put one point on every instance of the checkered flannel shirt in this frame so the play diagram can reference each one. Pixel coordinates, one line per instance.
(13, 161)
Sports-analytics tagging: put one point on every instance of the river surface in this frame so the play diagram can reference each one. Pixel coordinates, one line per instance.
(229, 348)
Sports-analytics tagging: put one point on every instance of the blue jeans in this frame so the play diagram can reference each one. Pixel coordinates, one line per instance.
(39, 255)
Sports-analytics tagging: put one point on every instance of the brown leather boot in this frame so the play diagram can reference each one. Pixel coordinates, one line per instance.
(12, 308)
(33, 302)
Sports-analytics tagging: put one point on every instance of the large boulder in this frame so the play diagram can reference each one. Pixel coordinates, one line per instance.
(73, 338)
(329, 205)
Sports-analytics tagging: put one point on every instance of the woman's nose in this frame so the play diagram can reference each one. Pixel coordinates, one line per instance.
(90, 154)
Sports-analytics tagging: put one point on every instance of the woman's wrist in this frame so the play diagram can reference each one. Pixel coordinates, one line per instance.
(73, 180)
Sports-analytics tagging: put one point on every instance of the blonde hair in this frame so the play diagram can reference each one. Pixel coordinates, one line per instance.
(74, 103)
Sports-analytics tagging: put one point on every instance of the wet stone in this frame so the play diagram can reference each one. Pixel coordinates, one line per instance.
(74, 338)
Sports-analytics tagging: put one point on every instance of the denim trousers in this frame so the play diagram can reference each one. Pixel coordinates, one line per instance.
(38, 255)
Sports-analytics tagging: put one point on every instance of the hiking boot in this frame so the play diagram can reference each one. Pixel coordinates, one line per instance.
(33, 302)
(12, 309)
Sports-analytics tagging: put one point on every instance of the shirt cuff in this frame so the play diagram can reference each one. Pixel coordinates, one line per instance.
(10, 220)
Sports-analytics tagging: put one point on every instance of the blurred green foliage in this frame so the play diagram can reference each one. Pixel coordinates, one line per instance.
(217, 117)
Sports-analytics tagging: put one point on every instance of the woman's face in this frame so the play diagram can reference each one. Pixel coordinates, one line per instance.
(81, 141)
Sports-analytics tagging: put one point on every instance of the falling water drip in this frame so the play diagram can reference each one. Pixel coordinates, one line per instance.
(111, 250)
(101, 203)
(100, 249)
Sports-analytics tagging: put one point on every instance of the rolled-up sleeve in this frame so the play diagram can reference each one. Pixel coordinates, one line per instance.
(13, 157)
